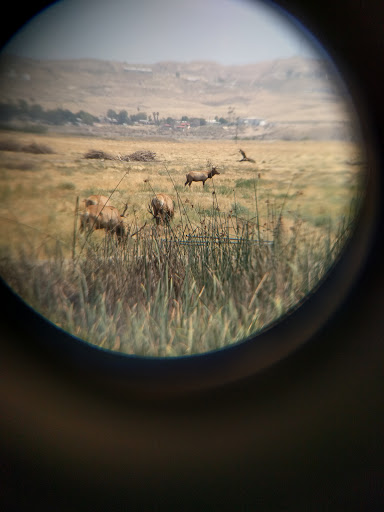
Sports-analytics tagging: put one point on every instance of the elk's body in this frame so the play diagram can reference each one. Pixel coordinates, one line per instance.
(96, 199)
(200, 176)
(107, 217)
(163, 208)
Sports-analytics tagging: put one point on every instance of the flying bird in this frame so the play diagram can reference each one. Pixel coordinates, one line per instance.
(245, 158)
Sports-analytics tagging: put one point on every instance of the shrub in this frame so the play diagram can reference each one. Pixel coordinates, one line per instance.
(98, 154)
(9, 145)
(20, 166)
(38, 149)
(33, 147)
(67, 185)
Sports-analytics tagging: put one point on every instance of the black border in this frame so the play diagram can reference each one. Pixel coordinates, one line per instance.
(304, 433)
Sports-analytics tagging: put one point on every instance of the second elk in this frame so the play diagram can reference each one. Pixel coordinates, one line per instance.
(162, 208)
(97, 216)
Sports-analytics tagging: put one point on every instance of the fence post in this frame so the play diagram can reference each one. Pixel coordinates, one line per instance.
(75, 229)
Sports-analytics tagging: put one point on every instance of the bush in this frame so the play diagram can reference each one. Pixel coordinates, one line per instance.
(33, 147)
(20, 166)
(37, 149)
(67, 185)
(9, 145)
(98, 154)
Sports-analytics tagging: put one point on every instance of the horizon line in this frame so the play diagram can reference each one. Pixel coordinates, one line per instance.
(171, 61)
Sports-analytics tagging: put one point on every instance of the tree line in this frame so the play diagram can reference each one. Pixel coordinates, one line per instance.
(34, 112)
(122, 117)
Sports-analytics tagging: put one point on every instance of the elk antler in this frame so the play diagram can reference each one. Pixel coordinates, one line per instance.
(150, 211)
(125, 209)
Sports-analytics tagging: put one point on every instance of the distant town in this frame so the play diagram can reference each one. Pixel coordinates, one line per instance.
(23, 111)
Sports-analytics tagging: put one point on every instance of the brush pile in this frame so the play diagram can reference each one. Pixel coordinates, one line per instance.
(140, 156)
(137, 156)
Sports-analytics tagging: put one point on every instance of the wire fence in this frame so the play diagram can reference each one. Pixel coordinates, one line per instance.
(203, 240)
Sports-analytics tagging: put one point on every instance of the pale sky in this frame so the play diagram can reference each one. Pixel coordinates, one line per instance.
(149, 31)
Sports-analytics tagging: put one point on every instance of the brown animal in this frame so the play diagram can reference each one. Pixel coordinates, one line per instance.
(245, 158)
(107, 217)
(97, 199)
(163, 209)
(200, 176)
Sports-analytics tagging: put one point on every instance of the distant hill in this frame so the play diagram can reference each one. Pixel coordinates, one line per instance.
(286, 90)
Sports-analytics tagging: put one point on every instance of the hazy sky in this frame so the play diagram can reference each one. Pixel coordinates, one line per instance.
(149, 31)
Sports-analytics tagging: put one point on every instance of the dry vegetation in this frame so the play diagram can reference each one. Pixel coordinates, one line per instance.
(158, 294)
(137, 156)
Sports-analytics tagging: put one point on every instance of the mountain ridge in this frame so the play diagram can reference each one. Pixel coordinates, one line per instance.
(292, 89)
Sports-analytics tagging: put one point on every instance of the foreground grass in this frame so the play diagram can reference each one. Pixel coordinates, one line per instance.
(175, 292)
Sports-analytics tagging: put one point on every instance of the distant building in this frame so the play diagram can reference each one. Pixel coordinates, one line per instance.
(252, 121)
(133, 69)
(192, 78)
(183, 125)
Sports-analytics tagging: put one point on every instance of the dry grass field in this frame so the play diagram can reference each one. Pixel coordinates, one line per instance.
(296, 194)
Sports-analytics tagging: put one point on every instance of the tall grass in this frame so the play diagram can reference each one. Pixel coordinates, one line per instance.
(181, 288)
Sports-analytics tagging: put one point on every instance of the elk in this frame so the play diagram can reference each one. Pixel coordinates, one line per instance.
(245, 158)
(161, 208)
(107, 217)
(200, 176)
(96, 200)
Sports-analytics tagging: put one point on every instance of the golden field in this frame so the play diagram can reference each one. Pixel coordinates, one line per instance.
(315, 179)
(267, 233)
